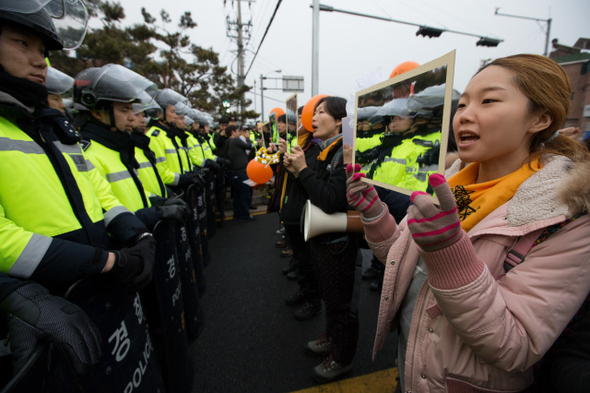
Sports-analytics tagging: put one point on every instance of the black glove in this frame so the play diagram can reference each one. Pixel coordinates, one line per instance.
(222, 161)
(175, 201)
(175, 212)
(34, 316)
(157, 200)
(186, 180)
(212, 165)
(134, 266)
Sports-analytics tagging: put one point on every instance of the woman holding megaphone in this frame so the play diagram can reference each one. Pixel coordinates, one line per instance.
(334, 253)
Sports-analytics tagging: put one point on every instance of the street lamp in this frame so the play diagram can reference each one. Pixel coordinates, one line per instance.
(262, 78)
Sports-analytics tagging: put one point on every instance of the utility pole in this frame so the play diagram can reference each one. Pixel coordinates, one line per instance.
(547, 33)
(315, 48)
(240, 50)
(236, 30)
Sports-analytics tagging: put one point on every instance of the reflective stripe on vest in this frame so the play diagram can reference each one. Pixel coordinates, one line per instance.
(31, 256)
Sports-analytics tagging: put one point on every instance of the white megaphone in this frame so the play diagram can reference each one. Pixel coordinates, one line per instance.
(316, 222)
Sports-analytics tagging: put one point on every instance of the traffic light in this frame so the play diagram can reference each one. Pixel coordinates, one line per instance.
(226, 105)
(485, 41)
(429, 31)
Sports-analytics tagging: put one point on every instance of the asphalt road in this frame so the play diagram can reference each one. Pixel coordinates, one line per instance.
(250, 341)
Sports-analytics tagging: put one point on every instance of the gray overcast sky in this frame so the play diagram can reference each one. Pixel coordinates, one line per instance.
(353, 48)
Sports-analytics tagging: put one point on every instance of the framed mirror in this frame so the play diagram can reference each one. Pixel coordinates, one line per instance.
(272, 126)
(292, 121)
(401, 127)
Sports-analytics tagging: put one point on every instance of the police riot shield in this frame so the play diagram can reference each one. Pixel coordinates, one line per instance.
(37, 375)
(210, 195)
(220, 191)
(202, 208)
(163, 303)
(188, 277)
(193, 199)
(129, 362)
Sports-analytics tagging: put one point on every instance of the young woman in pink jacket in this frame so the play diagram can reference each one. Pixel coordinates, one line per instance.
(466, 322)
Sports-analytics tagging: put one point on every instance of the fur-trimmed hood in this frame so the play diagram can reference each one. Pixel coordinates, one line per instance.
(562, 187)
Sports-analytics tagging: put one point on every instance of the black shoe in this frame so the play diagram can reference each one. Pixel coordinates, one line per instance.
(281, 243)
(293, 275)
(295, 299)
(292, 266)
(287, 252)
(308, 311)
(370, 274)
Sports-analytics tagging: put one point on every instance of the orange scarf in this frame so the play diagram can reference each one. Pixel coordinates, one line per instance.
(324, 154)
(476, 201)
(301, 139)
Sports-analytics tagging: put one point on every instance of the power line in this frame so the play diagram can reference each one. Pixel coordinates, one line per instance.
(264, 36)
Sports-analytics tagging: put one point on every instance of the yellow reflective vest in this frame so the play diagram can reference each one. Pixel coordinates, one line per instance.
(109, 165)
(53, 206)
(167, 156)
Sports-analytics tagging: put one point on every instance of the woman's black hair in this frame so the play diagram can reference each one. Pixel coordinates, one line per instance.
(335, 106)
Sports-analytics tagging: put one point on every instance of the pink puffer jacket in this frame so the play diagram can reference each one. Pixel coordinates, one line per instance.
(476, 328)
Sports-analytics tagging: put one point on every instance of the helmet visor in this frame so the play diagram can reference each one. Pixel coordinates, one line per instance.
(395, 107)
(182, 109)
(70, 17)
(58, 82)
(117, 83)
(167, 97)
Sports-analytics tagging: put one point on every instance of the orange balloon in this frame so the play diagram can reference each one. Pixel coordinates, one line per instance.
(258, 173)
(308, 109)
(278, 111)
(403, 67)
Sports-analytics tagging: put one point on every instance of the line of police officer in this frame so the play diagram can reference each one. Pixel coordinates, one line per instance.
(76, 205)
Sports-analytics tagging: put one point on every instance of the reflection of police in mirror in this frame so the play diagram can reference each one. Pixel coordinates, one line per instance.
(405, 157)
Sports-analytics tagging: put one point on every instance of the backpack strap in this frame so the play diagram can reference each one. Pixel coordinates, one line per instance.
(518, 252)
(523, 245)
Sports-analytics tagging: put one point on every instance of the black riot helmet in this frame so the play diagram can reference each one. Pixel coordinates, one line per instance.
(112, 83)
(62, 23)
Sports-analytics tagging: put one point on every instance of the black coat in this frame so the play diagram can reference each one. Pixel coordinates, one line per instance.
(295, 194)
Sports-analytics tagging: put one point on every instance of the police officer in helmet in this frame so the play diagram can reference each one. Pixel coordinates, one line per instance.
(56, 212)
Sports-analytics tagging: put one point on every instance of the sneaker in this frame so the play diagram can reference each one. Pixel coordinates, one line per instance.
(320, 347)
(249, 218)
(287, 252)
(295, 299)
(281, 231)
(330, 370)
(308, 311)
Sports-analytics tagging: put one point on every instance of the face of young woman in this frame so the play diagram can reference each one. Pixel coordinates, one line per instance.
(324, 125)
(493, 124)
(22, 54)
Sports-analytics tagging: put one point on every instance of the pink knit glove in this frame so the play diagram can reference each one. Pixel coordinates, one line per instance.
(360, 195)
(432, 227)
